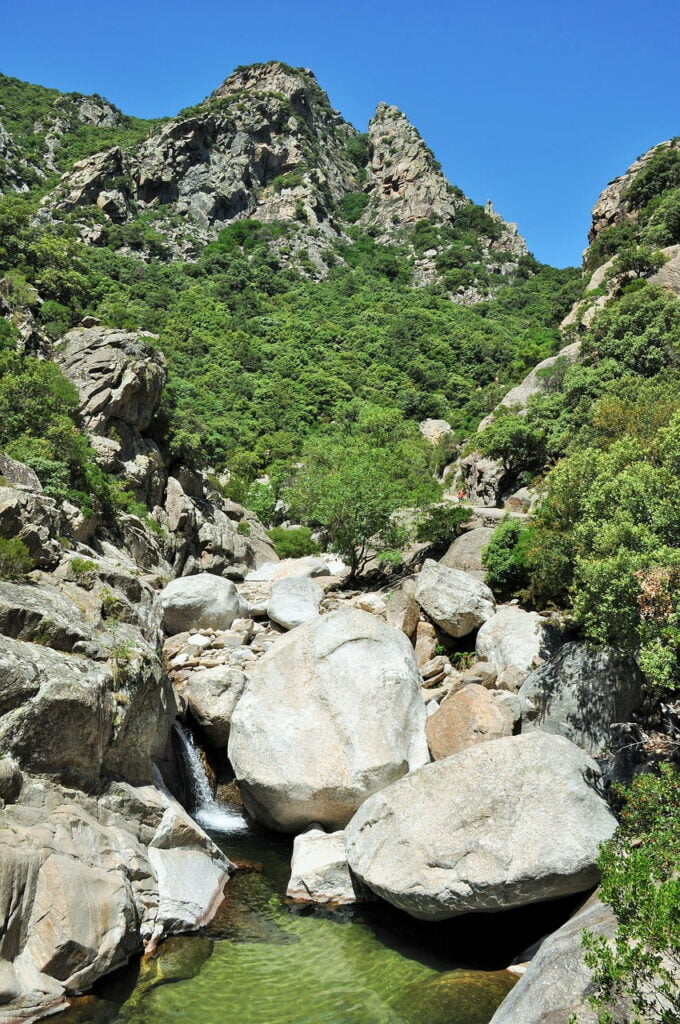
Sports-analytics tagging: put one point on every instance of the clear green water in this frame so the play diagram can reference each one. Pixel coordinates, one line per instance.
(264, 962)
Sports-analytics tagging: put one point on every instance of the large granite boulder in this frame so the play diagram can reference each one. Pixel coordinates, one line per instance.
(515, 642)
(498, 825)
(402, 610)
(331, 714)
(467, 716)
(294, 600)
(203, 601)
(580, 693)
(212, 694)
(119, 375)
(319, 872)
(465, 553)
(456, 602)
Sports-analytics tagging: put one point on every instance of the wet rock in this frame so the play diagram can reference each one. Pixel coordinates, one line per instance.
(212, 694)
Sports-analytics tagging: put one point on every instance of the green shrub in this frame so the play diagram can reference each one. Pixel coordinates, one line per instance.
(640, 870)
(15, 560)
(506, 558)
(439, 525)
(352, 205)
(294, 543)
(243, 528)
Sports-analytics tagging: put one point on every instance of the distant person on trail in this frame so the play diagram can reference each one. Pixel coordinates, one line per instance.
(461, 494)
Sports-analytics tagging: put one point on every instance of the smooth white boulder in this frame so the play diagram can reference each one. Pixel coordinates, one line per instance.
(319, 872)
(516, 642)
(497, 825)
(457, 602)
(331, 714)
(293, 601)
(204, 601)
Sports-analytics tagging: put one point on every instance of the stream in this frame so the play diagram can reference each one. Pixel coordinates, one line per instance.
(262, 961)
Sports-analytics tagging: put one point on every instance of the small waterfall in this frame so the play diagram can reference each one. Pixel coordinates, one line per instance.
(204, 808)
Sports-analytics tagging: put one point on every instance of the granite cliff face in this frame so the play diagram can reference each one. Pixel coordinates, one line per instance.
(267, 145)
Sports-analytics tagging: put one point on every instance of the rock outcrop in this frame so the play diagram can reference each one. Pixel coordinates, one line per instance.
(580, 693)
(498, 825)
(88, 882)
(347, 720)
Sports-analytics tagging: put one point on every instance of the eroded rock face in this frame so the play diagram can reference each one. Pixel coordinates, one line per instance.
(498, 825)
(202, 601)
(319, 872)
(35, 520)
(118, 374)
(536, 381)
(580, 693)
(611, 207)
(515, 642)
(456, 602)
(86, 883)
(330, 715)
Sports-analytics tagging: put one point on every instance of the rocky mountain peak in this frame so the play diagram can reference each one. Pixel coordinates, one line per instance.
(405, 180)
(273, 77)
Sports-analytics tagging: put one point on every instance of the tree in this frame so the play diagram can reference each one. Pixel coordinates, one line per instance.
(514, 441)
(351, 484)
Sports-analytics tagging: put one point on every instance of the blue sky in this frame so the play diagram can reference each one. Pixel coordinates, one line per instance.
(534, 104)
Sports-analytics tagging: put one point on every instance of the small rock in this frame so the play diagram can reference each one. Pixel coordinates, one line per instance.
(319, 869)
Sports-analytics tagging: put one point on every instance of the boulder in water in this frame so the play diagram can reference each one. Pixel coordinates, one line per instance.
(495, 826)
(319, 872)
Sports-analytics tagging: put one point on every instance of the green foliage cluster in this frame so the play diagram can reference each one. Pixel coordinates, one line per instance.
(15, 559)
(294, 543)
(353, 481)
(31, 113)
(641, 882)
(506, 558)
(606, 538)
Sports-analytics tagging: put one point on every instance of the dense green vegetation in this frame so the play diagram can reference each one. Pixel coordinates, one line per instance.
(606, 539)
(41, 120)
(641, 882)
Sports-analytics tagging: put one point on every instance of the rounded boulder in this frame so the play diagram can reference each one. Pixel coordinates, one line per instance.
(204, 601)
(330, 715)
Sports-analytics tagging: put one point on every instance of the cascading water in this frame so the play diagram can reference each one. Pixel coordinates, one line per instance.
(207, 811)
